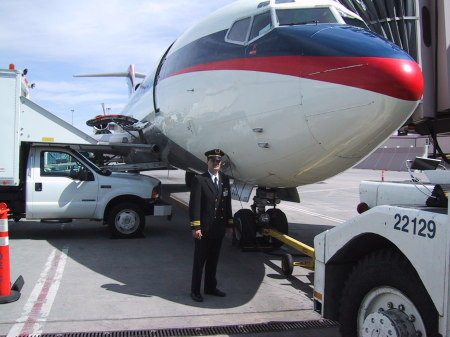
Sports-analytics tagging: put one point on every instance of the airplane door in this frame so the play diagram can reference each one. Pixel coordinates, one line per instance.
(56, 188)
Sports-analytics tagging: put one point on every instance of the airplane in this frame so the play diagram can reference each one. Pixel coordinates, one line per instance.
(293, 91)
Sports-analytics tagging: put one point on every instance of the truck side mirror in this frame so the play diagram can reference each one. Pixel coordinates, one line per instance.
(88, 175)
(74, 174)
(106, 172)
(82, 174)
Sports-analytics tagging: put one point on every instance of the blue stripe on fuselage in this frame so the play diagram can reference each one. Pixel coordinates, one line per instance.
(332, 40)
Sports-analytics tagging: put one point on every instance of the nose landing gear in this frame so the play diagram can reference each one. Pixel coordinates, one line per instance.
(260, 229)
(250, 224)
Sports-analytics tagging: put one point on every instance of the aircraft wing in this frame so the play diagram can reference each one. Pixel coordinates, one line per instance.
(119, 74)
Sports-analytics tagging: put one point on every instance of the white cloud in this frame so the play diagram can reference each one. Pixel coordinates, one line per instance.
(76, 93)
(56, 39)
(105, 32)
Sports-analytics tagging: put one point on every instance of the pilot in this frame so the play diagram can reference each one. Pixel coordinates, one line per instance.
(211, 218)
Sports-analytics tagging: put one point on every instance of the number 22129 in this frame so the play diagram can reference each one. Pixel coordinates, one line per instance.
(420, 227)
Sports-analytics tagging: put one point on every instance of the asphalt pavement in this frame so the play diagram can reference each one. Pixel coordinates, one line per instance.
(78, 279)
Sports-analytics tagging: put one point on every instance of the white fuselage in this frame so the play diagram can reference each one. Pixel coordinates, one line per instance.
(280, 125)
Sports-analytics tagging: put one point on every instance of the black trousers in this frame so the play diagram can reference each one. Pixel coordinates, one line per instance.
(206, 254)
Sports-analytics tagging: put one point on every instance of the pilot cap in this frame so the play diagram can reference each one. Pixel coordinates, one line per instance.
(216, 154)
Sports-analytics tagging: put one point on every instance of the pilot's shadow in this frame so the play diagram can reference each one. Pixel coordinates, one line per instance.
(167, 274)
(160, 264)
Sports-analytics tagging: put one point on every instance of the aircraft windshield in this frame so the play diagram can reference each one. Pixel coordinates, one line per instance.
(302, 16)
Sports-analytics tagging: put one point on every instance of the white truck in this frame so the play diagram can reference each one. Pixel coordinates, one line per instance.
(387, 271)
(43, 176)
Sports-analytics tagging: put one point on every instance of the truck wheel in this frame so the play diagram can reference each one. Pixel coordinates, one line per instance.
(383, 296)
(279, 222)
(126, 220)
(244, 233)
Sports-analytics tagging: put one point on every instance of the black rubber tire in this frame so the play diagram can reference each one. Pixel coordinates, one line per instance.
(279, 222)
(133, 213)
(244, 234)
(390, 269)
(287, 264)
(189, 178)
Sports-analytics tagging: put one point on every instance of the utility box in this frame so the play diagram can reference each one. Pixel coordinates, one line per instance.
(10, 89)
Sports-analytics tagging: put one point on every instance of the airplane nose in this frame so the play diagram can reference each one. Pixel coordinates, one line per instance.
(394, 77)
(361, 59)
(375, 87)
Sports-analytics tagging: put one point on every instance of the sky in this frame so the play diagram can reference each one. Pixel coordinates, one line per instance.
(56, 39)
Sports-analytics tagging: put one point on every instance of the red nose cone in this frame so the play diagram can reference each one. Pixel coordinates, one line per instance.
(395, 77)
(398, 78)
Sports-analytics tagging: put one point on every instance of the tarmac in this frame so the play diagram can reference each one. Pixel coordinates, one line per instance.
(79, 280)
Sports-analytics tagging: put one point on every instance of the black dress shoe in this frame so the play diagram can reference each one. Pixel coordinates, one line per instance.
(197, 297)
(216, 292)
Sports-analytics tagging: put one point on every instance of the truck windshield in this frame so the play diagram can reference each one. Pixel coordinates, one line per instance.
(302, 16)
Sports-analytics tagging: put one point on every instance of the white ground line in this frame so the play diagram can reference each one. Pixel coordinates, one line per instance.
(302, 210)
(328, 190)
(39, 304)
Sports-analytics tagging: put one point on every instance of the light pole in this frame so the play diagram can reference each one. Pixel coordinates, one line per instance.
(72, 114)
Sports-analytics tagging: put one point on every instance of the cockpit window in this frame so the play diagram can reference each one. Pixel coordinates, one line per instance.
(238, 32)
(301, 16)
(262, 23)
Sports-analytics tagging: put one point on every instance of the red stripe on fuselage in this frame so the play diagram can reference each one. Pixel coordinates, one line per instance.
(393, 77)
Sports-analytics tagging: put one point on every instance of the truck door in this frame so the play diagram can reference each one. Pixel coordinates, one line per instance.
(60, 186)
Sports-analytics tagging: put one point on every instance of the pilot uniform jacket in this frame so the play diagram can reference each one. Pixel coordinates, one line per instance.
(210, 211)
(209, 207)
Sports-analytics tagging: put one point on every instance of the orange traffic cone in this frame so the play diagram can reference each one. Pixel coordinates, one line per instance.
(7, 294)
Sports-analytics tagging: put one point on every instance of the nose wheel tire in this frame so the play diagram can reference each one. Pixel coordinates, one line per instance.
(279, 222)
(126, 220)
(244, 234)
(383, 296)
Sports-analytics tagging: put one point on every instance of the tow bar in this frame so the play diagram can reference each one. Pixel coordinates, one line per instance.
(287, 263)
